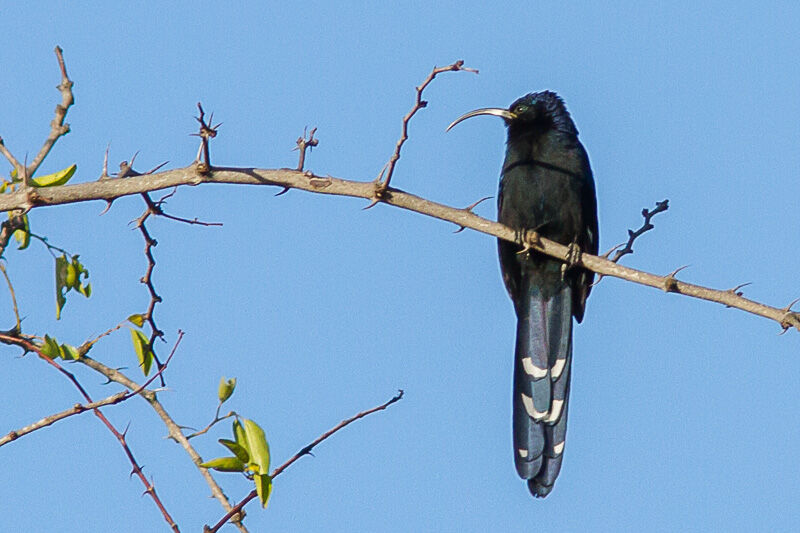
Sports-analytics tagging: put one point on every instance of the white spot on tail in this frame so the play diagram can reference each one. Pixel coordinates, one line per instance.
(555, 411)
(532, 370)
(557, 369)
(523, 453)
(527, 401)
(558, 449)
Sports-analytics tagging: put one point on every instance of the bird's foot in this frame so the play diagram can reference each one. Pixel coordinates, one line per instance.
(572, 259)
(527, 239)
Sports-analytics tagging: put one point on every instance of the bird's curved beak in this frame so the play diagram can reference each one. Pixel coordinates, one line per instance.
(495, 111)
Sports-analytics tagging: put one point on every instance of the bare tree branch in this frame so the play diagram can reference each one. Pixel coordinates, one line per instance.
(29, 346)
(57, 127)
(633, 235)
(52, 419)
(385, 177)
(307, 181)
(80, 408)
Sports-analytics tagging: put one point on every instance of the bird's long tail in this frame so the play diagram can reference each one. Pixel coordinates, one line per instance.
(541, 383)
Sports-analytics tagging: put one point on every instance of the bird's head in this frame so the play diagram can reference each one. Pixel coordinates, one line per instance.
(541, 111)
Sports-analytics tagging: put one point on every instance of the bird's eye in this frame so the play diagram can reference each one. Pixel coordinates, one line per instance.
(520, 109)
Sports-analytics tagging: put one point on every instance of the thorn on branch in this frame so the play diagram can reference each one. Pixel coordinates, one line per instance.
(304, 144)
(788, 308)
(612, 250)
(469, 209)
(736, 290)
(104, 175)
(791, 319)
(670, 283)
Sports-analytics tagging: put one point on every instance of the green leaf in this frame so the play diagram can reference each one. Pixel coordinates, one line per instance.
(86, 290)
(239, 435)
(81, 275)
(225, 464)
(137, 320)
(143, 352)
(23, 235)
(263, 487)
(70, 276)
(69, 353)
(238, 450)
(58, 178)
(61, 288)
(226, 388)
(257, 446)
(50, 348)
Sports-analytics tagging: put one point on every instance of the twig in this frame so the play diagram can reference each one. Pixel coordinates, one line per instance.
(81, 408)
(52, 419)
(174, 430)
(7, 229)
(207, 132)
(147, 279)
(304, 144)
(29, 346)
(57, 127)
(11, 159)
(217, 420)
(49, 246)
(646, 226)
(18, 325)
(627, 248)
(381, 182)
(304, 451)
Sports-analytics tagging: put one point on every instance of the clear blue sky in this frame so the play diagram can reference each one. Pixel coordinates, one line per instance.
(683, 414)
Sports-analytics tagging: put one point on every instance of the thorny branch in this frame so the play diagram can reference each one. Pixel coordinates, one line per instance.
(646, 226)
(58, 128)
(147, 279)
(82, 408)
(633, 235)
(29, 346)
(385, 176)
(308, 181)
(207, 132)
(306, 450)
(173, 429)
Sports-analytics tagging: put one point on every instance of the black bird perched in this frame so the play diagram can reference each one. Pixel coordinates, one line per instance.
(546, 185)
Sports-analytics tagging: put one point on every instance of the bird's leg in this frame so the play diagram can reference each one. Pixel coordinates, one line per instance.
(572, 259)
(527, 238)
(519, 237)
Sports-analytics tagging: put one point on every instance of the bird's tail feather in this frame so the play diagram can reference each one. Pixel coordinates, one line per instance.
(541, 384)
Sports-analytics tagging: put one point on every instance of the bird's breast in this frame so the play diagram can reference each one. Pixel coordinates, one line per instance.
(543, 196)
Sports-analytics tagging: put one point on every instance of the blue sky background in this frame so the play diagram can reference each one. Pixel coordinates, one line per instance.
(683, 413)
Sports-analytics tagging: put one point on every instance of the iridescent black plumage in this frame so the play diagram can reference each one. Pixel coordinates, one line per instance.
(546, 185)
